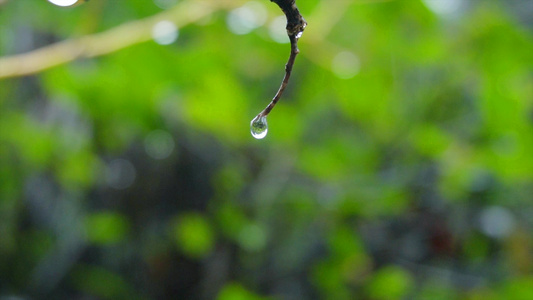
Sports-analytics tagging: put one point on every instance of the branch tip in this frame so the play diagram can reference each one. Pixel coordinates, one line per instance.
(295, 26)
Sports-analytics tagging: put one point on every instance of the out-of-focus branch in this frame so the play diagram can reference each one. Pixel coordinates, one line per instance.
(109, 41)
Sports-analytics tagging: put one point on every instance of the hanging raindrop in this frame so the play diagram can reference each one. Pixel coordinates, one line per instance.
(259, 127)
(299, 34)
(64, 2)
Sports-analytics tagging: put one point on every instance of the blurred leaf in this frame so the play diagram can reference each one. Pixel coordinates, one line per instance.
(231, 219)
(78, 169)
(436, 291)
(32, 143)
(220, 107)
(102, 283)
(235, 291)
(476, 247)
(252, 237)
(193, 235)
(390, 283)
(517, 288)
(430, 140)
(106, 228)
(345, 266)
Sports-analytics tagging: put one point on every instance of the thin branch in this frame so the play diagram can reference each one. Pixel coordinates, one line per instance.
(295, 27)
(106, 42)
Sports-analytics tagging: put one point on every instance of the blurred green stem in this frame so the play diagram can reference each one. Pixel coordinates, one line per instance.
(106, 42)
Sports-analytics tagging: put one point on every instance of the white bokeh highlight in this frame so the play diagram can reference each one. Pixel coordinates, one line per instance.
(345, 65)
(246, 18)
(159, 144)
(496, 221)
(120, 174)
(63, 2)
(443, 7)
(165, 32)
(277, 30)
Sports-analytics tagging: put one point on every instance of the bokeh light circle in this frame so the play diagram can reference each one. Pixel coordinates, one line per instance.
(63, 2)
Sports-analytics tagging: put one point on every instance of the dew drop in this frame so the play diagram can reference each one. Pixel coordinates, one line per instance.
(299, 34)
(62, 2)
(259, 127)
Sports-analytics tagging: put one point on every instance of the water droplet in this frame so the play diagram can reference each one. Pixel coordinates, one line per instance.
(259, 127)
(63, 2)
(299, 34)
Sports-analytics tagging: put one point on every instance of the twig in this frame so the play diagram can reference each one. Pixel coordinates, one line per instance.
(106, 42)
(295, 27)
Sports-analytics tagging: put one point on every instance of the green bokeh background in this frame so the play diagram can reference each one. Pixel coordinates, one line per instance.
(405, 171)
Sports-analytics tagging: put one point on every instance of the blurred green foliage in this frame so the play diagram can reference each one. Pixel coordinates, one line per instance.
(106, 228)
(194, 235)
(398, 164)
(236, 292)
(390, 283)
